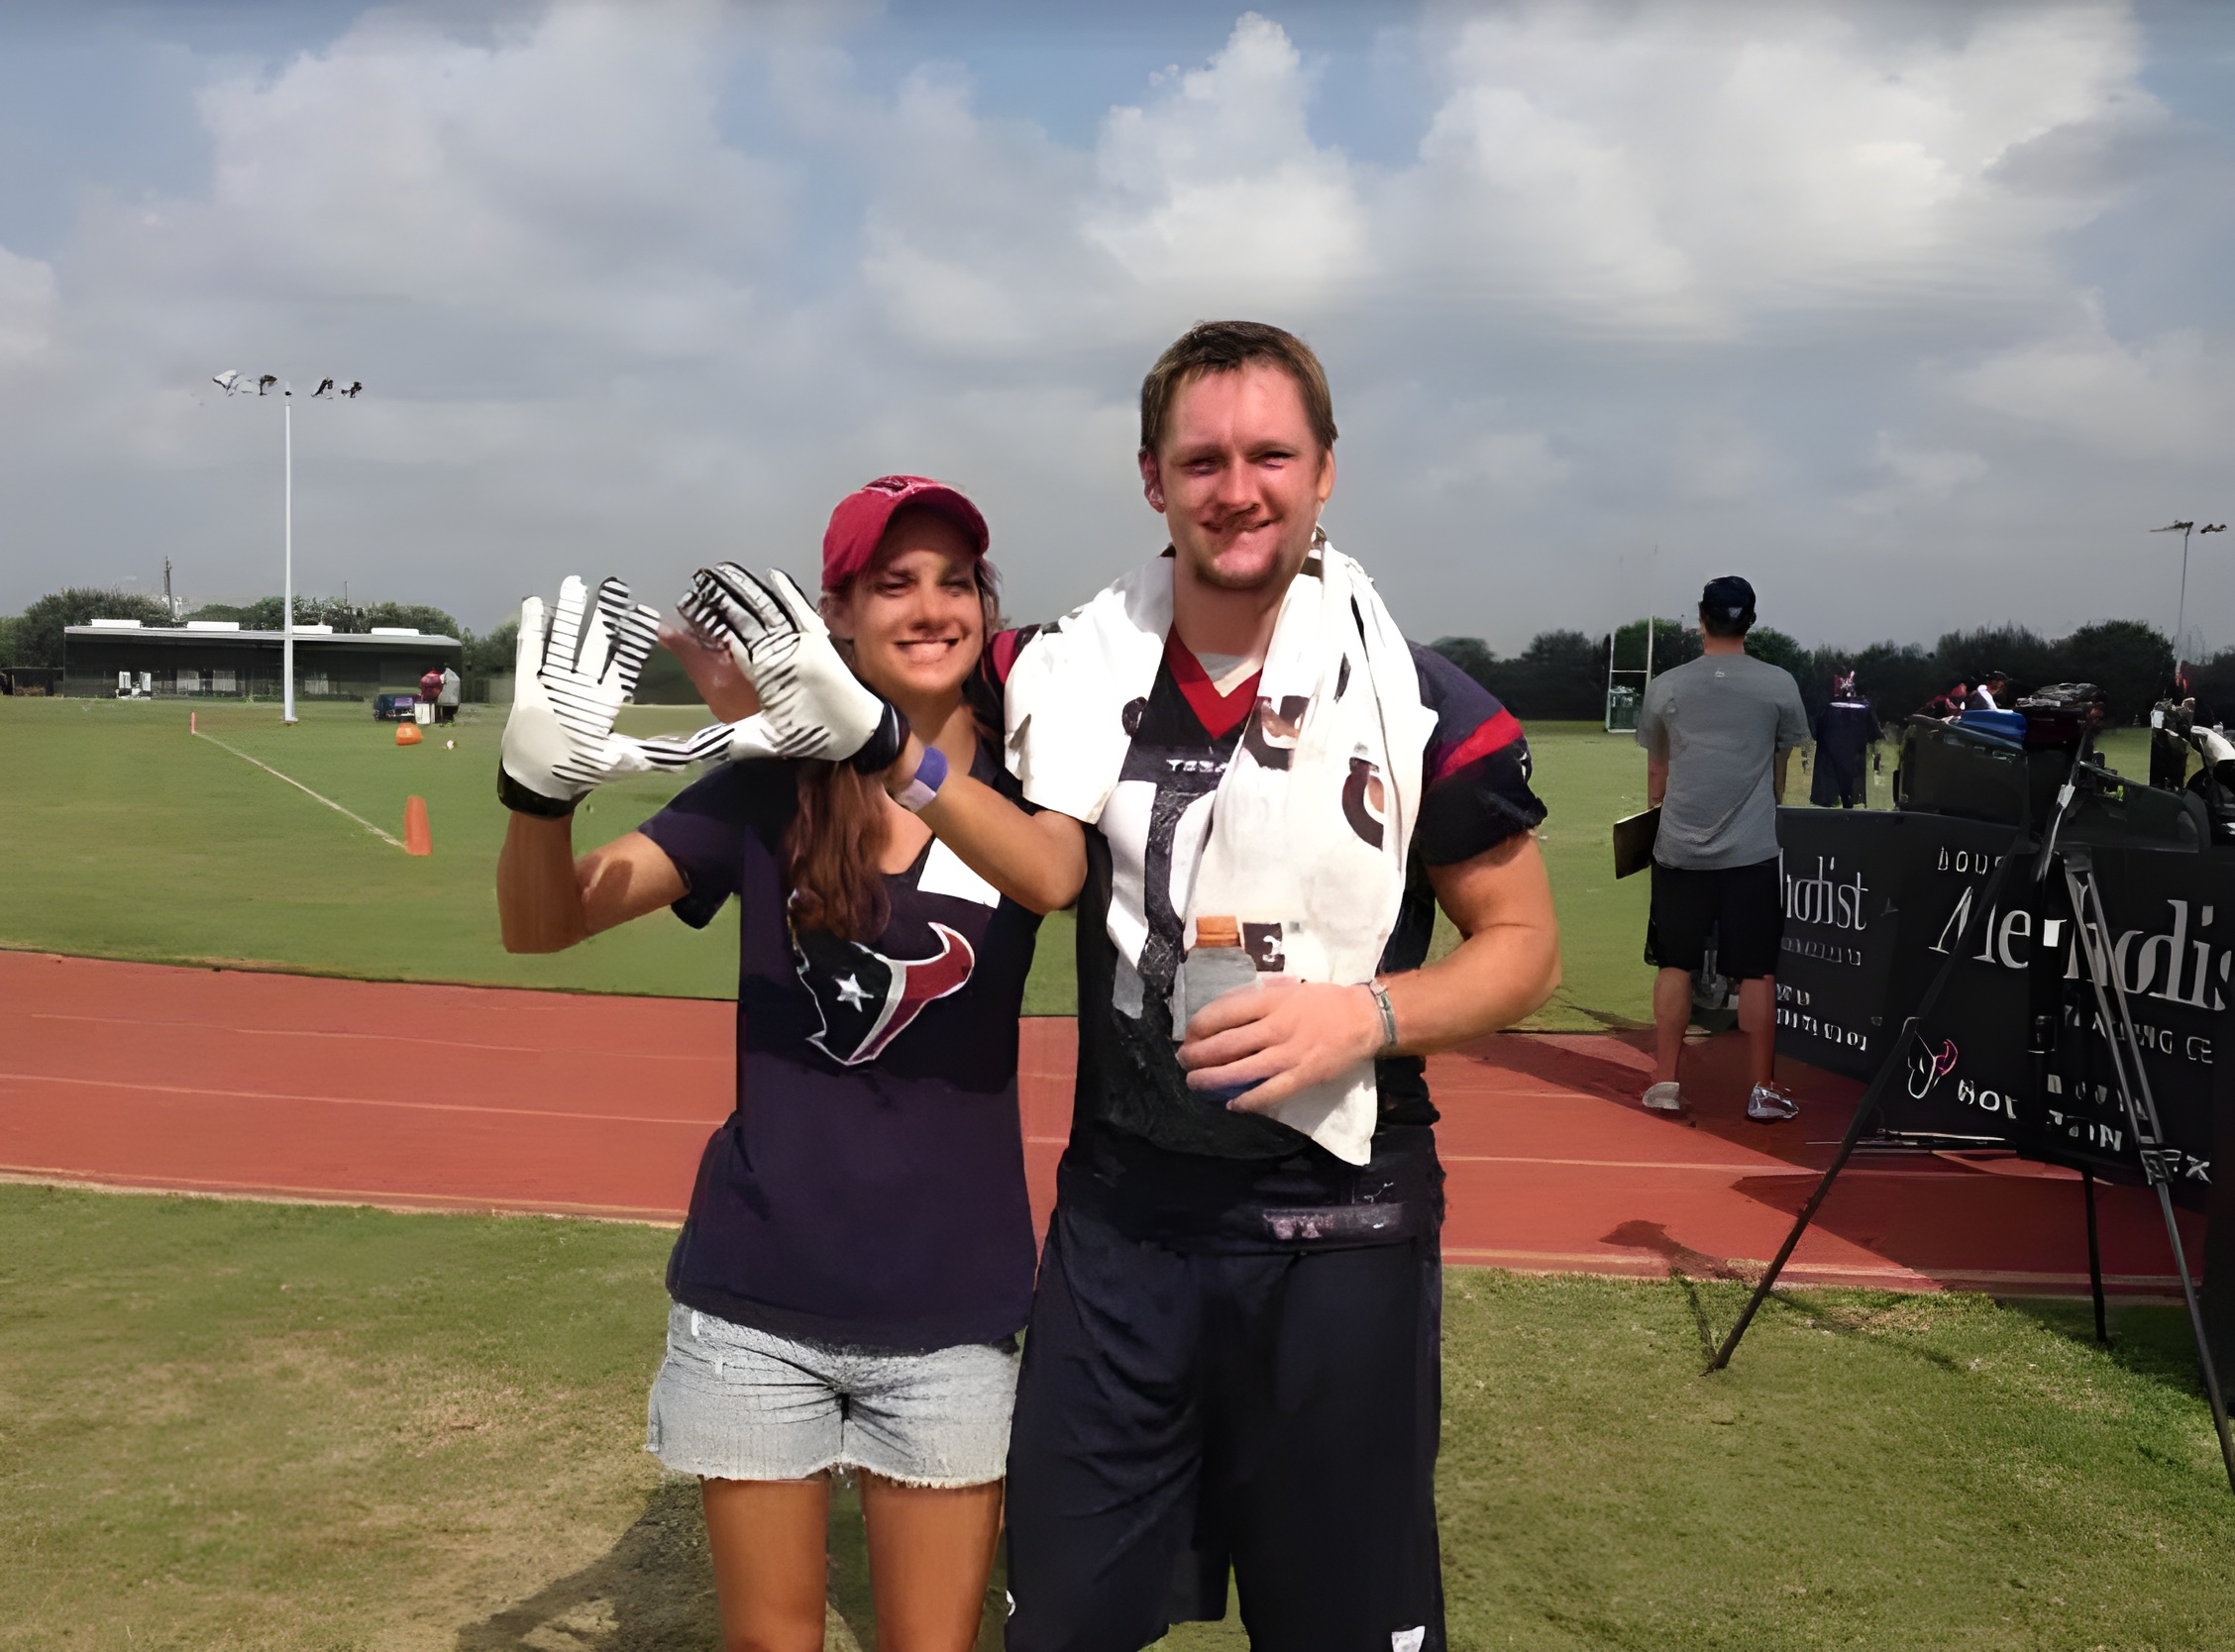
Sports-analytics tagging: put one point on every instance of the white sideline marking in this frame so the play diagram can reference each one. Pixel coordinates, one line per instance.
(299, 786)
(144, 1088)
(383, 1038)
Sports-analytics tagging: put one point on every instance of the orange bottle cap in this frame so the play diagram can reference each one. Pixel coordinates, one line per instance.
(1217, 932)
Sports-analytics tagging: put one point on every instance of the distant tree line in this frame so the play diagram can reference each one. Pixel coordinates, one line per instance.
(337, 612)
(35, 636)
(1560, 675)
(1563, 674)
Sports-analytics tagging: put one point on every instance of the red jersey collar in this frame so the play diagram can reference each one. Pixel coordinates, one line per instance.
(1218, 713)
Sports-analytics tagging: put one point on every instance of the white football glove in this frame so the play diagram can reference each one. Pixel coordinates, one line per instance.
(811, 704)
(568, 685)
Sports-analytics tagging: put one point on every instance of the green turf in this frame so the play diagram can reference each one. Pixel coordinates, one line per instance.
(271, 1426)
(127, 839)
(132, 839)
(1588, 779)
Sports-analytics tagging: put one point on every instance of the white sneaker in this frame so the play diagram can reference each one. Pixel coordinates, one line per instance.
(1664, 1097)
(1769, 1105)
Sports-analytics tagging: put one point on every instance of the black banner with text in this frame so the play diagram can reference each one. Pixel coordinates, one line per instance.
(1877, 903)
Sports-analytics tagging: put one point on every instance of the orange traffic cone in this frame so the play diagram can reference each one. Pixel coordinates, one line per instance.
(408, 734)
(417, 840)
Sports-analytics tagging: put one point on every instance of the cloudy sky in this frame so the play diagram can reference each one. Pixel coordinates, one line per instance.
(1918, 315)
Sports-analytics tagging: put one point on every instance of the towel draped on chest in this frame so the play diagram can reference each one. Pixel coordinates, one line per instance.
(1313, 820)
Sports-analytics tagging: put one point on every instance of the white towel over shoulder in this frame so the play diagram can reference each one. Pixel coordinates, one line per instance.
(1313, 821)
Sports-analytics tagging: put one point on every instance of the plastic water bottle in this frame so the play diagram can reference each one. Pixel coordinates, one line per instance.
(1215, 965)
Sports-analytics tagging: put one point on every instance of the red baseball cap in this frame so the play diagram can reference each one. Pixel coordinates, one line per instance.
(859, 522)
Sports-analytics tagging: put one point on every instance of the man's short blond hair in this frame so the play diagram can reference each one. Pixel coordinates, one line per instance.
(1227, 347)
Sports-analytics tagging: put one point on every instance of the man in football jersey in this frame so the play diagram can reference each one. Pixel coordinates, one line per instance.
(1233, 1358)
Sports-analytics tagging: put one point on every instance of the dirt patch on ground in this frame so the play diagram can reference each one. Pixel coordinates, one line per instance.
(652, 1591)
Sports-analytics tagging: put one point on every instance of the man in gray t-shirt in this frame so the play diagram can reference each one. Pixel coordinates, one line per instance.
(1717, 733)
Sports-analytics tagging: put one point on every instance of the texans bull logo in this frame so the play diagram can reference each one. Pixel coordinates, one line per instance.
(866, 999)
(1365, 801)
(1927, 1066)
(1271, 733)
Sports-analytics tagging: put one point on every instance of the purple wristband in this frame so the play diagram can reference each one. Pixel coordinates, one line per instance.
(930, 775)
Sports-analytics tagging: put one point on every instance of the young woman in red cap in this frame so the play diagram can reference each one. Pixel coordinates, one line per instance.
(858, 1259)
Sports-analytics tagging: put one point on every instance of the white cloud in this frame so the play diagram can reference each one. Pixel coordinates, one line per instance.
(1216, 185)
(26, 305)
(1915, 476)
(1717, 460)
(986, 236)
(972, 235)
(510, 219)
(2171, 397)
(1673, 168)
(536, 247)
(631, 285)
(1513, 463)
(1511, 193)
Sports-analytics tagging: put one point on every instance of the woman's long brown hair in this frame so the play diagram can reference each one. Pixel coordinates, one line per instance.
(834, 845)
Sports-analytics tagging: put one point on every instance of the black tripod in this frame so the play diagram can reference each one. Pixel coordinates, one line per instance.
(2077, 865)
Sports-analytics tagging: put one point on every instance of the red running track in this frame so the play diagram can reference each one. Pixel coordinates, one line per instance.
(476, 1098)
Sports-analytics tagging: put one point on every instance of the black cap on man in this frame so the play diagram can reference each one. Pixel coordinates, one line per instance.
(1726, 606)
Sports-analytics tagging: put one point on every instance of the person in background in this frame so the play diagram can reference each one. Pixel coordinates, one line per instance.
(446, 696)
(1988, 695)
(1948, 704)
(1846, 729)
(430, 685)
(2170, 720)
(1717, 733)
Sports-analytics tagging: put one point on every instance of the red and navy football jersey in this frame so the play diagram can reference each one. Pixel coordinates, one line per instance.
(1182, 1157)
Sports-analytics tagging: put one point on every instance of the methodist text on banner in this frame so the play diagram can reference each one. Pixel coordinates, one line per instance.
(1877, 903)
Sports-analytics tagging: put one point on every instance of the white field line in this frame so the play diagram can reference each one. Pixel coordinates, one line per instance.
(147, 1088)
(299, 786)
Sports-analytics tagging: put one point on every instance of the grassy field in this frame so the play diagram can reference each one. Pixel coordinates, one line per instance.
(282, 1427)
(134, 839)
(266, 1426)
(129, 839)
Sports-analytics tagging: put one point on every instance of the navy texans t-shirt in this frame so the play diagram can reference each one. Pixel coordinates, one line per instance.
(869, 1190)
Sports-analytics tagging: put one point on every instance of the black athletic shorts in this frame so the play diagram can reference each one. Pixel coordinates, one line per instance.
(1180, 1411)
(1744, 905)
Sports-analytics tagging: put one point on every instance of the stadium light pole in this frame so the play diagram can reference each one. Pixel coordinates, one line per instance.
(232, 382)
(2181, 609)
(2207, 528)
(2180, 612)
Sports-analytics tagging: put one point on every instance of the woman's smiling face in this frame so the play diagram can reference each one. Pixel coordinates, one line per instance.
(914, 615)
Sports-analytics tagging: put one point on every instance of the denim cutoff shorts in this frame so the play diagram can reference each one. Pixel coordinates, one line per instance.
(732, 1403)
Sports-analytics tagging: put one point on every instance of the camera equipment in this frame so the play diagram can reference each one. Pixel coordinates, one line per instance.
(2047, 774)
(1972, 770)
(2077, 696)
(2214, 783)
